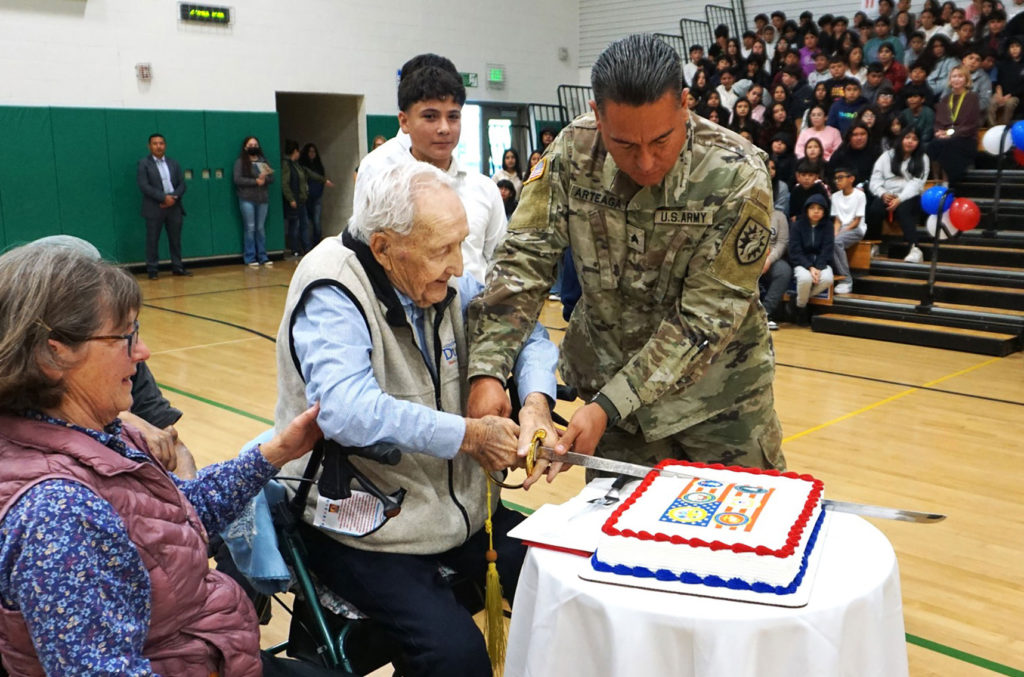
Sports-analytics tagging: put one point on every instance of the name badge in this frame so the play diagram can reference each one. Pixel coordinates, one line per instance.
(597, 197)
(682, 217)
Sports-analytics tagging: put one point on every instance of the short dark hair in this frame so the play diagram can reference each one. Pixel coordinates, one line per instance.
(428, 59)
(972, 48)
(636, 70)
(696, 48)
(886, 45)
(920, 63)
(290, 146)
(912, 90)
(780, 14)
(156, 135)
(845, 170)
(875, 67)
(721, 31)
(429, 83)
(916, 34)
(998, 15)
(761, 17)
(883, 20)
(805, 166)
(837, 58)
(505, 183)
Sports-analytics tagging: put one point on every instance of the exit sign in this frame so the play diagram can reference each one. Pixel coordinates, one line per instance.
(205, 13)
(495, 76)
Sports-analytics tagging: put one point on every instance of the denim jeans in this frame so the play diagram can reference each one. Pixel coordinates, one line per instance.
(296, 230)
(254, 218)
(314, 207)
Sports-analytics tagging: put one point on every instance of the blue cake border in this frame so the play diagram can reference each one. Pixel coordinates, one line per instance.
(716, 581)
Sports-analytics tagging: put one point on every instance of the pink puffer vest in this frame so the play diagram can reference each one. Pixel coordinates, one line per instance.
(201, 622)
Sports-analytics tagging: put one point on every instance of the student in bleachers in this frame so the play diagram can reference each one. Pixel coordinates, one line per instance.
(855, 66)
(811, 243)
(808, 183)
(780, 152)
(957, 119)
(727, 97)
(696, 63)
(734, 50)
(980, 83)
(902, 29)
(883, 36)
(964, 37)
(699, 87)
(755, 95)
(893, 132)
(876, 76)
(799, 93)
(820, 72)
(777, 121)
(848, 227)
(897, 181)
(755, 71)
(829, 137)
(916, 114)
(820, 98)
(919, 78)
(855, 153)
(740, 121)
(778, 60)
(939, 60)
(1009, 86)
(814, 154)
(836, 83)
(721, 37)
(892, 69)
(885, 109)
(915, 48)
(868, 116)
(712, 109)
(843, 113)
(808, 52)
(776, 272)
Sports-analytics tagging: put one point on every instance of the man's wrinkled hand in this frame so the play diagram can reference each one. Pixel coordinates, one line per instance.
(491, 440)
(487, 398)
(536, 415)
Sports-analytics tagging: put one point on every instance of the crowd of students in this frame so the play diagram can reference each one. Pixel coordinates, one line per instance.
(855, 116)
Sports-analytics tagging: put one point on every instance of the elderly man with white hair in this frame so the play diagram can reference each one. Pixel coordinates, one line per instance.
(374, 330)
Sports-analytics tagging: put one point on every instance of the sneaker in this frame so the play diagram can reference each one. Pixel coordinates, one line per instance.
(914, 256)
(554, 297)
(253, 265)
(844, 288)
(874, 250)
(772, 325)
(268, 264)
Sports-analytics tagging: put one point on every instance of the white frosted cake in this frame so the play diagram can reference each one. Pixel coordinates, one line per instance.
(740, 528)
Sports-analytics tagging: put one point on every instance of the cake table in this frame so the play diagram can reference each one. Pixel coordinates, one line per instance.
(852, 625)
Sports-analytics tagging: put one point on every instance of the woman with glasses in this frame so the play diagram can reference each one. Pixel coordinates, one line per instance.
(103, 563)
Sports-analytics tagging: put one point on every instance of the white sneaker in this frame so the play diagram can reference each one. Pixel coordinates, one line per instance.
(844, 288)
(268, 264)
(773, 325)
(914, 256)
(874, 250)
(254, 265)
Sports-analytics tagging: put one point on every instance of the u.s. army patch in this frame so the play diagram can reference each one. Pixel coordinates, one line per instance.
(537, 171)
(751, 242)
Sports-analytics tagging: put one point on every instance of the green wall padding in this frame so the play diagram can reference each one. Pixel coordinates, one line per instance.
(385, 125)
(73, 171)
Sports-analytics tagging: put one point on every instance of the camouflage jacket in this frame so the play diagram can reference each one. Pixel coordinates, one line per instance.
(669, 327)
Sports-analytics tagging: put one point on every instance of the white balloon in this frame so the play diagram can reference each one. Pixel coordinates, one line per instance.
(990, 141)
(946, 231)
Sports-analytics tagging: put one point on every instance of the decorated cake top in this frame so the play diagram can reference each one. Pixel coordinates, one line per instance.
(745, 510)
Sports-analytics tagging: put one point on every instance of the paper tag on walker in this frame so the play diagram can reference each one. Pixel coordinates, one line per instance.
(355, 516)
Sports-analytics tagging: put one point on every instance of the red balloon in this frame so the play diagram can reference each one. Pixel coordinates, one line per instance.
(964, 214)
(1018, 155)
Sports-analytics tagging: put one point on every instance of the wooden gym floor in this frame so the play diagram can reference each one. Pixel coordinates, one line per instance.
(884, 423)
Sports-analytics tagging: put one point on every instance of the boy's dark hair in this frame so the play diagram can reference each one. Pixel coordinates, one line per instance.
(916, 34)
(806, 15)
(998, 15)
(845, 170)
(920, 63)
(910, 90)
(972, 49)
(875, 67)
(852, 81)
(840, 19)
(824, 20)
(290, 146)
(696, 48)
(721, 31)
(761, 17)
(805, 166)
(837, 58)
(429, 83)
(883, 20)
(749, 34)
(887, 45)
(780, 14)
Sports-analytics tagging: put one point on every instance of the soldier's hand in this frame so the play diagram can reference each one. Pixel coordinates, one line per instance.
(487, 398)
(491, 440)
(536, 415)
(585, 429)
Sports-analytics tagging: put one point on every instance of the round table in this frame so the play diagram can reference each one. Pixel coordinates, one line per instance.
(852, 626)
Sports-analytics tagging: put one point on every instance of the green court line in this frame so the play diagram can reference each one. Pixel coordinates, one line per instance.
(213, 403)
(964, 656)
(911, 639)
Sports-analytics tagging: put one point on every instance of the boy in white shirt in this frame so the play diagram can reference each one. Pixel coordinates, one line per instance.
(848, 205)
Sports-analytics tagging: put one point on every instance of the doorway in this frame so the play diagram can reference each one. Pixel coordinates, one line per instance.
(502, 127)
(331, 122)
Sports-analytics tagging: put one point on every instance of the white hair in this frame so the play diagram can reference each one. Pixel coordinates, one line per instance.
(389, 200)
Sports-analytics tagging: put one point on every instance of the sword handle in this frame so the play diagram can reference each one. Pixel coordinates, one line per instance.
(531, 454)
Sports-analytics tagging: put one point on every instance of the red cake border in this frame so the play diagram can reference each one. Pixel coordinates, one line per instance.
(795, 532)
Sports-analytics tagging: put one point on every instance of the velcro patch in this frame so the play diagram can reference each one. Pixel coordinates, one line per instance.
(740, 258)
(538, 171)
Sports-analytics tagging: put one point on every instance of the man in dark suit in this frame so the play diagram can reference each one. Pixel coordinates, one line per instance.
(162, 184)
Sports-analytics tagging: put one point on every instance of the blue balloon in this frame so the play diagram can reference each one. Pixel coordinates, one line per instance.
(937, 199)
(1017, 134)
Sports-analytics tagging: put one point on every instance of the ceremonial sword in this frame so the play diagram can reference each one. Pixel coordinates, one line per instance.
(540, 452)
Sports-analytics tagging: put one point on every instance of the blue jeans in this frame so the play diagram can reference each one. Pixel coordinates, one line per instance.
(296, 231)
(254, 217)
(313, 209)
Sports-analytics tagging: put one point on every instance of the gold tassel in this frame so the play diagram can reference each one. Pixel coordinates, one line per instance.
(494, 618)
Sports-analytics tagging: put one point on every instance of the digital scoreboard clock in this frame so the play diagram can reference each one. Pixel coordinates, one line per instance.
(205, 14)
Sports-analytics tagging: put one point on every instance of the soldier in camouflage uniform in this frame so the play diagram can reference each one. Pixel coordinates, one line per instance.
(667, 217)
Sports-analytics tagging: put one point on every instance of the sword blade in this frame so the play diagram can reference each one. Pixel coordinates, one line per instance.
(636, 470)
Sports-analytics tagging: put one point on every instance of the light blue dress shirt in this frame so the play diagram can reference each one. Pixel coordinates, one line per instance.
(333, 345)
(165, 174)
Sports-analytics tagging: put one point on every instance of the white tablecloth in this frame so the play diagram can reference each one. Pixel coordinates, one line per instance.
(853, 625)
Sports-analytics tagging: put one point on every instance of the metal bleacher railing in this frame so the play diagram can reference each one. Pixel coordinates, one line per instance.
(575, 100)
(544, 115)
(719, 14)
(677, 43)
(695, 32)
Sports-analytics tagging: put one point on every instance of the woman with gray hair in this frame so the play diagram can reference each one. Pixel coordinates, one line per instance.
(103, 565)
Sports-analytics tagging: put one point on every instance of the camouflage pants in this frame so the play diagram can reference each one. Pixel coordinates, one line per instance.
(748, 434)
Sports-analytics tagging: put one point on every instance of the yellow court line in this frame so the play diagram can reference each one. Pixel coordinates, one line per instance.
(887, 400)
(204, 345)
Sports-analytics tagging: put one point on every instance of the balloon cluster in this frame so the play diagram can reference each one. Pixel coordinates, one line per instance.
(997, 142)
(956, 213)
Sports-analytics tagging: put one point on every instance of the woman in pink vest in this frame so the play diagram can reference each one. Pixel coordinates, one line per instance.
(103, 565)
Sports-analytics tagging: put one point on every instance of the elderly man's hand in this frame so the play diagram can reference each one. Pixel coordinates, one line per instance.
(487, 398)
(161, 442)
(536, 415)
(295, 440)
(491, 440)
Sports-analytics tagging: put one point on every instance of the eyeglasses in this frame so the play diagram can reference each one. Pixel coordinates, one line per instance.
(132, 338)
